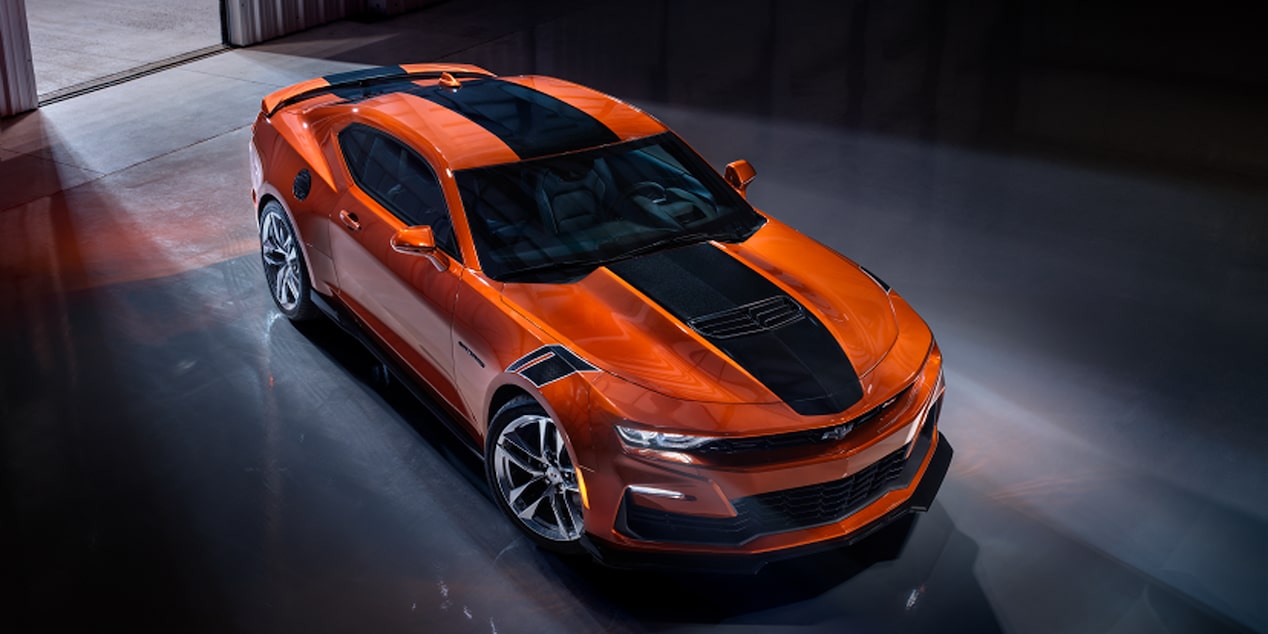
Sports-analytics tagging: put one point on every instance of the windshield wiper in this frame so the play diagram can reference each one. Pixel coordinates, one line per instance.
(557, 265)
(594, 263)
(674, 240)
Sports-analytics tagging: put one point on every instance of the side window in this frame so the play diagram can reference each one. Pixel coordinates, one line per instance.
(400, 180)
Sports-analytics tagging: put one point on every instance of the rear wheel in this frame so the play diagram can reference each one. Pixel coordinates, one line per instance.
(533, 476)
(284, 264)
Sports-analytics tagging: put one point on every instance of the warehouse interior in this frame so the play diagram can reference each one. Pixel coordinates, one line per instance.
(1074, 196)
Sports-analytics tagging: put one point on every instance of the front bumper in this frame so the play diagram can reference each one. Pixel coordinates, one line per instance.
(928, 474)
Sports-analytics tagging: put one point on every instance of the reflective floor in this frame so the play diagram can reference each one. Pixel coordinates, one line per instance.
(176, 457)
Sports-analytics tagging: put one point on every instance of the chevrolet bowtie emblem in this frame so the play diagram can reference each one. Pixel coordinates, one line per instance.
(838, 432)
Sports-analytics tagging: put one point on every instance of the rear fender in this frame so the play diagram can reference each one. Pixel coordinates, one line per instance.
(320, 268)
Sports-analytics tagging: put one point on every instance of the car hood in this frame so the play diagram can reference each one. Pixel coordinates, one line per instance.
(628, 319)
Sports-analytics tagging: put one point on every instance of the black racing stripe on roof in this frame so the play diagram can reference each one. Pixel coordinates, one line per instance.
(530, 122)
(363, 74)
(799, 361)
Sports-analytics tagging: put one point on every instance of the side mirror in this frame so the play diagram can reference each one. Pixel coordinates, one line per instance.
(420, 241)
(739, 174)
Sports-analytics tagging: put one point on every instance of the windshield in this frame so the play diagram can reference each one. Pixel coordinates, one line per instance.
(558, 218)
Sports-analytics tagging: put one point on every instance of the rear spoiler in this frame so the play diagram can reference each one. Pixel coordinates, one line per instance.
(363, 78)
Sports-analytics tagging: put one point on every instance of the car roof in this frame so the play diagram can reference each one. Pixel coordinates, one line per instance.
(468, 116)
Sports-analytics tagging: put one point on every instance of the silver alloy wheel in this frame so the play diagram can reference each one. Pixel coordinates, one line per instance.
(281, 260)
(536, 478)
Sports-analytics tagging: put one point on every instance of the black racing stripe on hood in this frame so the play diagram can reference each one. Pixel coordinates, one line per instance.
(530, 122)
(800, 361)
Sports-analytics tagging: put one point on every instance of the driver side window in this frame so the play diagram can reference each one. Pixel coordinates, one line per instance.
(400, 180)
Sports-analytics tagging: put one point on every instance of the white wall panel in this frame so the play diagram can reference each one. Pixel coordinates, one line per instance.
(17, 74)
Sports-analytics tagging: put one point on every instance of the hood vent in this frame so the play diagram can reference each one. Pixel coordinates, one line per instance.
(768, 314)
(764, 330)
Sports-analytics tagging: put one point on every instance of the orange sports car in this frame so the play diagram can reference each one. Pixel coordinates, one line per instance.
(651, 369)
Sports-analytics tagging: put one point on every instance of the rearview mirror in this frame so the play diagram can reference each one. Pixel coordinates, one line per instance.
(420, 241)
(739, 174)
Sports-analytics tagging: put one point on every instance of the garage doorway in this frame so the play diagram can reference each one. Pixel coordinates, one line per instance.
(79, 45)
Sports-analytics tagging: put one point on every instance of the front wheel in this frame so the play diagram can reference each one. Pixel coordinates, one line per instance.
(533, 476)
(284, 264)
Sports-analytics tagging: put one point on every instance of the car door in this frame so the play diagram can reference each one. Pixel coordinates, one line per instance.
(406, 299)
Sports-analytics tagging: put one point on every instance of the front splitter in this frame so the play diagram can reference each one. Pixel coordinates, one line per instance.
(921, 500)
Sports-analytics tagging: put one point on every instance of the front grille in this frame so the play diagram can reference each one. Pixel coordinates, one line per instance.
(767, 314)
(792, 440)
(773, 512)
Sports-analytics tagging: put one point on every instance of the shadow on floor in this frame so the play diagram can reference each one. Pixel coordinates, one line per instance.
(914, 575)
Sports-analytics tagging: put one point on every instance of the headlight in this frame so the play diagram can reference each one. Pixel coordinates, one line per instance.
(661, 440)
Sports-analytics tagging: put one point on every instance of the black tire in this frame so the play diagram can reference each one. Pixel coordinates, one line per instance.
(548, 506)
(284, 267)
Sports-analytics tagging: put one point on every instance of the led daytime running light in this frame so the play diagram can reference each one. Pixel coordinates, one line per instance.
(661, 440)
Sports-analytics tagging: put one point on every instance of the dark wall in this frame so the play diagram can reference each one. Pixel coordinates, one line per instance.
(1182, 83)
(1139, 82)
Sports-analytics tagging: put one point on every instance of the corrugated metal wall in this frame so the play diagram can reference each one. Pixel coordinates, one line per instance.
(251, 21)
(392, 7)
(17, 75)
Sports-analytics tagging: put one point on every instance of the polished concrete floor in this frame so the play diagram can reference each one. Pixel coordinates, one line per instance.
(176, 457)
(78, 41)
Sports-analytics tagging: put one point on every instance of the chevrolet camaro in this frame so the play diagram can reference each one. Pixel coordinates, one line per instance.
(651, 369)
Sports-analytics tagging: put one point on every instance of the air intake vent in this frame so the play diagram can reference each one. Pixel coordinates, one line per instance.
(774, 512)
(767, 314)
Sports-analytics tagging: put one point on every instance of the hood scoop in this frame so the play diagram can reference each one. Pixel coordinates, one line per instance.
(760, 316)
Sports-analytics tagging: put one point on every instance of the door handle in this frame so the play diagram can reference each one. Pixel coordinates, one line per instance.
(349, 220)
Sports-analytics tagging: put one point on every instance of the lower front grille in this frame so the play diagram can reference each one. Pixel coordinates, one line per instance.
(774, 512)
